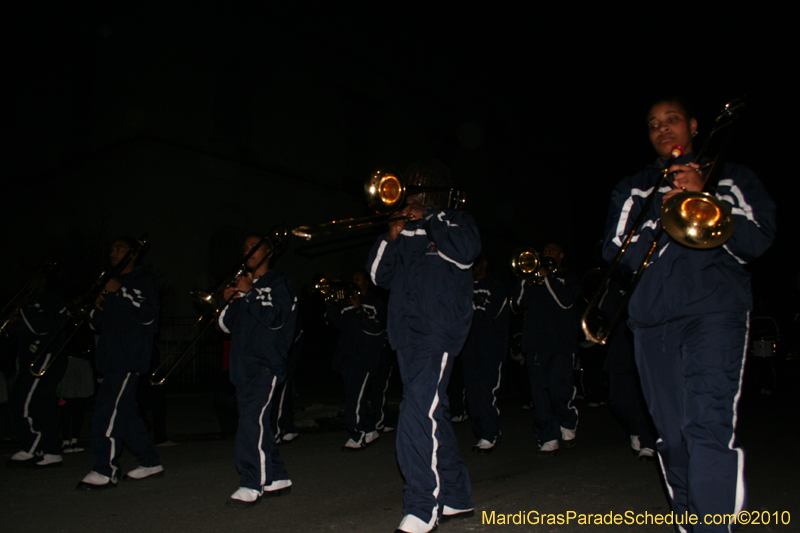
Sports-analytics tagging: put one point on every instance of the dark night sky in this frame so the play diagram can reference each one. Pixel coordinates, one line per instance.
(538, 111)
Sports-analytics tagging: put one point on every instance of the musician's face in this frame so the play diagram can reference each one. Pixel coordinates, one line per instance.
(553, 250)
(118, 251)
(668, 126)
(258, 255)
(361, 281)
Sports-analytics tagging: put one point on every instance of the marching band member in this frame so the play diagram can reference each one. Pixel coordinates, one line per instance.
(483, 355)
(689, 315)
(261, 319)
(126, 320)
(362, 325)
(32, 406)
(549, 341)
(425, 262)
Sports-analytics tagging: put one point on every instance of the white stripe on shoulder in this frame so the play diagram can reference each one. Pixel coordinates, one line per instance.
(374, 268)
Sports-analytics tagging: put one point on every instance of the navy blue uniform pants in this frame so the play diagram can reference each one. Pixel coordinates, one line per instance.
(482, 381)
(553, 391)
(257, 457)
(356, 411)
(691, 372)
(378, 386)
(427, 450)
(32, 405)
(117, 422)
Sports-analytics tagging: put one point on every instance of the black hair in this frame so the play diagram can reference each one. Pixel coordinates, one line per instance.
(678, 100)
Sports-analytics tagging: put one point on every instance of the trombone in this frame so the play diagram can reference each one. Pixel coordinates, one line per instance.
(526, 263)
(79, 313)
(694, 219)
(209, 304)
(11, 309)
(386, 193)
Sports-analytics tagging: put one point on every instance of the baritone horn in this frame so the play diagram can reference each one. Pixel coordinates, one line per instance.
(386, 193)
(209, 303)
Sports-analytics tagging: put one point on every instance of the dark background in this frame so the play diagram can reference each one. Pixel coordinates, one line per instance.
(199, 122)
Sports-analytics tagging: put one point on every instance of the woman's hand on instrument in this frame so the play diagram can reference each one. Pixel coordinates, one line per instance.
(245, 283)
(687, 178)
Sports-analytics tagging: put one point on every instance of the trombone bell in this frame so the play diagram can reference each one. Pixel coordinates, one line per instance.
(697, 219)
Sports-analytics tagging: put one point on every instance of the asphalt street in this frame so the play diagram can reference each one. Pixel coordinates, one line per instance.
(362, 492)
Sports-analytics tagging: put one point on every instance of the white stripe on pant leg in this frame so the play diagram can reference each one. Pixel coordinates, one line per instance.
(262, 458)
(414, 523)
(111, 428)
(26, 409)
(358, 407)
(666, 482)
(380, 422)
(277, 427)
(740, 489)
(434, 426)
(497, 386)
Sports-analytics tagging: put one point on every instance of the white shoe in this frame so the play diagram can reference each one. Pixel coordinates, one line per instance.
(352, 446)
(372, 436)
(387, 429)
(448, 513)
(21, 456)
(568, 438)
(483, 446)
(412, 524)
(96, 481)
(142, 472)
(277, 488)
(647, 454)
(289, 437)
(49, 460)
(635, 444)
(244, 497)
(548, 448)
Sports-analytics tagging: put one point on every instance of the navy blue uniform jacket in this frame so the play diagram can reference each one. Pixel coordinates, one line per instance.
(551, 322)
(682, 281)
(127, 324)
(361, 333)
(261, 324)
(427, 271)
(488, 336)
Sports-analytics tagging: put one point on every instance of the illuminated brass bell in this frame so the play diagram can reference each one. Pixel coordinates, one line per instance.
(697, 219)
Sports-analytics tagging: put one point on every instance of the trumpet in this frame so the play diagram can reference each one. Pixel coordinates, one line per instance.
(694, 219)
(336, 292)
(208, 302)
(527, 264)
(80, 312)
(386, 193)
(11, 309)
